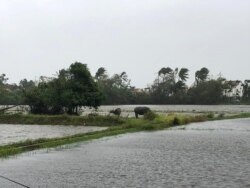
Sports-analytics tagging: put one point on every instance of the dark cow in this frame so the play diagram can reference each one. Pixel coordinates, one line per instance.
(117, 111)
(141, 110)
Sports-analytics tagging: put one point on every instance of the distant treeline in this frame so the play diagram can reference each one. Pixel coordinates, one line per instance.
(75, 87)
(169, 87)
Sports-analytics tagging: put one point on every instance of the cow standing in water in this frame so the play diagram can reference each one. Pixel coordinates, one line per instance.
(117, 111)
(141, 110)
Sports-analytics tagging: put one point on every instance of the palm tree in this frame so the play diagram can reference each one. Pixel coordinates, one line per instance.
(101, 72)
(174, 80)
(201, 75)
(183, 74)
(166, 72)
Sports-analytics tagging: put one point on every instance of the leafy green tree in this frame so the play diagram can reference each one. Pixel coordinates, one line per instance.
(9, 93)
(71, 90)
(209, 92)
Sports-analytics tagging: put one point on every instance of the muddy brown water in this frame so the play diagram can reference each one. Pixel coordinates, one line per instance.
(211, 154)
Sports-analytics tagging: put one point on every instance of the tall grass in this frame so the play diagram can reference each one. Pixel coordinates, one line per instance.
(60, 120)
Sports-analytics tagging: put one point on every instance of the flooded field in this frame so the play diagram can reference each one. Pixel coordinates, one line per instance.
(211, 154)
(15, 133)
(128, 110)
(183, 108)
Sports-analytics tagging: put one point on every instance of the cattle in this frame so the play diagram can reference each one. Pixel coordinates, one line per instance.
(141, 110)
(116, 111)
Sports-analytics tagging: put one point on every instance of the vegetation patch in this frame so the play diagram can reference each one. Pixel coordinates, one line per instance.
(60, 120)
(150, 115)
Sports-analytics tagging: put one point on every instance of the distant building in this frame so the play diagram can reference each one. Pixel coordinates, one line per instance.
(234, 89)
(140, 90)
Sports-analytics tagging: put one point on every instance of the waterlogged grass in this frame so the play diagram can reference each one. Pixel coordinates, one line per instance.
(117, 126)
(60, 120)
(235, 116)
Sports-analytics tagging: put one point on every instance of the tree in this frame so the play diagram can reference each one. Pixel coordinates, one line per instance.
(201, 75)
(246, 90)
(209, 92)
(183, 74)
(101, 73)
(71, 90)
(26, 85)
(166, 73)
(171, 84)
(3, 79)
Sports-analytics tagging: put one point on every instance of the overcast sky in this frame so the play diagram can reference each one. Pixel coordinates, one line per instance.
(137, 36)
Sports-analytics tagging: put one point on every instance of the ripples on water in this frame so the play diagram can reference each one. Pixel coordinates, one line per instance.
(14, 133)
(195, 157)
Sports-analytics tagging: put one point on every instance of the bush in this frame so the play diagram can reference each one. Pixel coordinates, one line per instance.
(150, 115)
(176, 121)
(221, 115)
(210, 115)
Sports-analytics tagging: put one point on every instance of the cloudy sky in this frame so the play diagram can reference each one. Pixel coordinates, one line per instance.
(137, 36)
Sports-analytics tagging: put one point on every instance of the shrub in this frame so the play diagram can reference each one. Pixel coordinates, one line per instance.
(221, 115)
(150, 115)
(210, 115)
(176, 121)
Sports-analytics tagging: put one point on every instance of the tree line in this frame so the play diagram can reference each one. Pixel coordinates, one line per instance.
(75, 87)
(170, 87)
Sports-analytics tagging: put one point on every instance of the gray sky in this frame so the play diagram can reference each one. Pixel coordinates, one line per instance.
(137, 36)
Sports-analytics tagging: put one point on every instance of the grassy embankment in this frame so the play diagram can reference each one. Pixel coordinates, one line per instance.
(116, 126)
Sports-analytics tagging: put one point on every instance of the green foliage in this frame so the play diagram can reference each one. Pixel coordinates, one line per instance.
(221, 115)
(170, 86)
(3, 79)
(75, 87)
(150, 115)
(183, 74)
(32, 119)
(246, 91)
(209, 92)
(71, 90)
(116, 89)
(176, 121)
(10, 94)
(210, 115)
(201, 75)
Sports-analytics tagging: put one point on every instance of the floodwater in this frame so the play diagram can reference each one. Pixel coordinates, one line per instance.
(14, 133)
(211, 154)
(128, 110)
(184, 108)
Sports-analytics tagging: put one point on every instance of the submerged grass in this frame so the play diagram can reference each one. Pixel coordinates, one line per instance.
(116, 125)
(60, 120)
